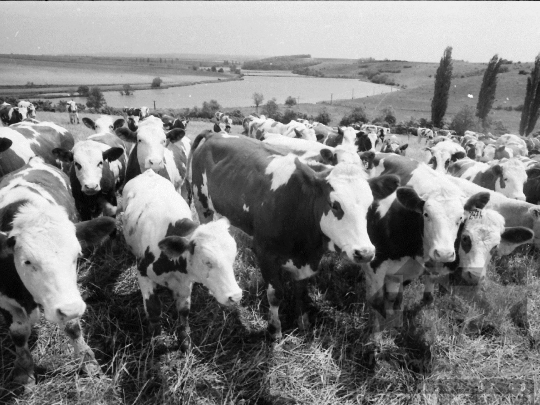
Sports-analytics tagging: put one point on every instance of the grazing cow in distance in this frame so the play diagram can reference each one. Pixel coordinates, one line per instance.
(392, 145)
(29, 139)
(293, 211)
(10, 115)
(505, 176)
(444, 153)
(136, 114)
(157, 150)
(258, 126)
(28, 107)
(425, 133)
(73, 112)
(171, 122)
(494, 152)
(223, 120)
(514, 142)
(39, 245)
(175, 252)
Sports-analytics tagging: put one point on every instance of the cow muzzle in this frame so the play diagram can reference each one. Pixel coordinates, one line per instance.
(66, 311)
(156, 164)
(91, 189)
(443, 255)
(363, 255)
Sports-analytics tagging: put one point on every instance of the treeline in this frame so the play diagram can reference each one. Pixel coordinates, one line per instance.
(289, 62)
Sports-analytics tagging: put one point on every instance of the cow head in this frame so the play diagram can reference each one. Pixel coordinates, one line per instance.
(442, 213)
(88, 159)
(511, 176)
(103, 124)
(209, 251)
(442, 157)
(365, 141)
(11, 115)
(482, 234)
(344, 197)
(45, 246)
(151, 141)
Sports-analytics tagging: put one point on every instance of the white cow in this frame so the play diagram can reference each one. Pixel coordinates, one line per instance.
(72, 110)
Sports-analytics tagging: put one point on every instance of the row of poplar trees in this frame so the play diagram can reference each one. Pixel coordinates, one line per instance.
(531, 105)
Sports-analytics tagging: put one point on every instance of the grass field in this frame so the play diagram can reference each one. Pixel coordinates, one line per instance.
(455, 345)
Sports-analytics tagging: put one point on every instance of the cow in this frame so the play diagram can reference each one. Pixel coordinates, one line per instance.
(444, 153)
(98, 167)
(171, 122)
(366, 141)
(514, 142)
(494, 152)
(392, 145)
(326, 135)
(73, 112)
(175, 252)
(258, 126)
(424, 133)
(474, 149)
(135, 114)
(506, 176)
(157, 150)
(533, 145)
(29, 139)
(223, 120)
(10, 115)
(293, 211)
(28, 107)
(40, 241)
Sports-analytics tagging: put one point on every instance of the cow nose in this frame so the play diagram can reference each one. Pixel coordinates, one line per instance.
(363, 255)
(440, 255)
(70, 311)
(235, 298)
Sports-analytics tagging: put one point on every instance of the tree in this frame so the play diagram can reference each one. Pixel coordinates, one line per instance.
(531, 105)
(439, 103)
(128, 91)
(220, 70)
(290, 101)
(356, 115)
(83, 90)
(95, 98)
(464, 120)
(271, 108)
(257, 99)
(210, 108)
(156, 82)
(388, 114)
(488, 89)
(323, 117)
(213, 69)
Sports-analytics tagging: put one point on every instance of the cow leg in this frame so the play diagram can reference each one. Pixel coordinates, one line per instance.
(20, 328)
(152, 305)
(274, 293)
(429, 287)
(394, 301)
(83, 352)
(182, 295)
(301, 299)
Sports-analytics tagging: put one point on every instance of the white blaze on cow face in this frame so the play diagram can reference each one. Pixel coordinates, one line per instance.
(45, 251)
(88, 162)
(514, 176)
(212, 261)
(151, 143)
(345, 223)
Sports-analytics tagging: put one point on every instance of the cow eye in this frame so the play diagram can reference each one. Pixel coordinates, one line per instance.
(140, 140)
(100, 164)
(78, 166)
(27, 262)
(336, 206)
(426, 215)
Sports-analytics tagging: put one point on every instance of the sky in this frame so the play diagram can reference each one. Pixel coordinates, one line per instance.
(413, 31)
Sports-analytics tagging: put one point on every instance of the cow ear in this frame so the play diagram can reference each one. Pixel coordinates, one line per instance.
(217, 128)
(497, 169)
(327, 156)
(367, 157)
(297, 133)
(95, 231)
(89, 123)
(119, 123)
(477, 201)
(112, 154)
(383, 186)
(63, 155)
(184, 227)
(175, 246)
(6, 245)
(408, 197)
(319, 137)
(307, 173)
(5, 144)
(175, 135)
(126, 134)
(457, 156)
(512, 237)
(132, 125)
(428, 150)
(340, 131)
(403, 147)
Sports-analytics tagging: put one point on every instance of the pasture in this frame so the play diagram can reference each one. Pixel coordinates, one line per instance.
(464, 349)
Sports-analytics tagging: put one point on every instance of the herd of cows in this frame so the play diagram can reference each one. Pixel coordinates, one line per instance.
(298, 190)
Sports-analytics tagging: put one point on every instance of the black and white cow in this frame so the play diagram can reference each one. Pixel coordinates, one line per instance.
(366, 141)
(158, 150)
(73, 112)
(175, 252)
(39, 245)
(30, 139)
(392, 145)
(223, 120)
(11, 115)
(28, 107)
(506, 176)
(293, 211)
(134, 114)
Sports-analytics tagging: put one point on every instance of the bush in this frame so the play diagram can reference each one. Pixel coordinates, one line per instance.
(388, 114)
(504, 69)
(156, 82)
(84, 91)
(464, 120)
(499, 128)
(95, 99)
(523, 72)
(290, 101)
(209, 109)
(518, 108)
(323, 117)
(128, 91)
(499, 107)
(220, 70)
(407, 66)
(288, 116)
(356, 115)
(271, 109)
(508, 108)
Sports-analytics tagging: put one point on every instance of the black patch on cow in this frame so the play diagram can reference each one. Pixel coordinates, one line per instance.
(19, 339)
(363, 143)
(337, 210)
(466, 243)
(5, 144)
(164, 265)
(7, 213)
(383, 186)
(182, 227)
(146, 261)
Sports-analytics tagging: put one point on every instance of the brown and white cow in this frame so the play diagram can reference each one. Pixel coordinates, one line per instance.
(28, 107)
(514, 142)
(30, 139)
(443, 153)
(293, 211)
(73, 112)
(258, 126)
(10, 115)
(39, 245)
(506, 176)
(426, 133)
(223, 120)
(158, 150)
(393, 145)
(175, 252)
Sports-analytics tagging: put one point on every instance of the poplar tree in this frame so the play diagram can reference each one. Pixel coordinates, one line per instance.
(488, 89)
(439, 103)
(531, 105)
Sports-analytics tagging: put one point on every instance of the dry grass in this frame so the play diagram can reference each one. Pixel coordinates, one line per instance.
(457, 344)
